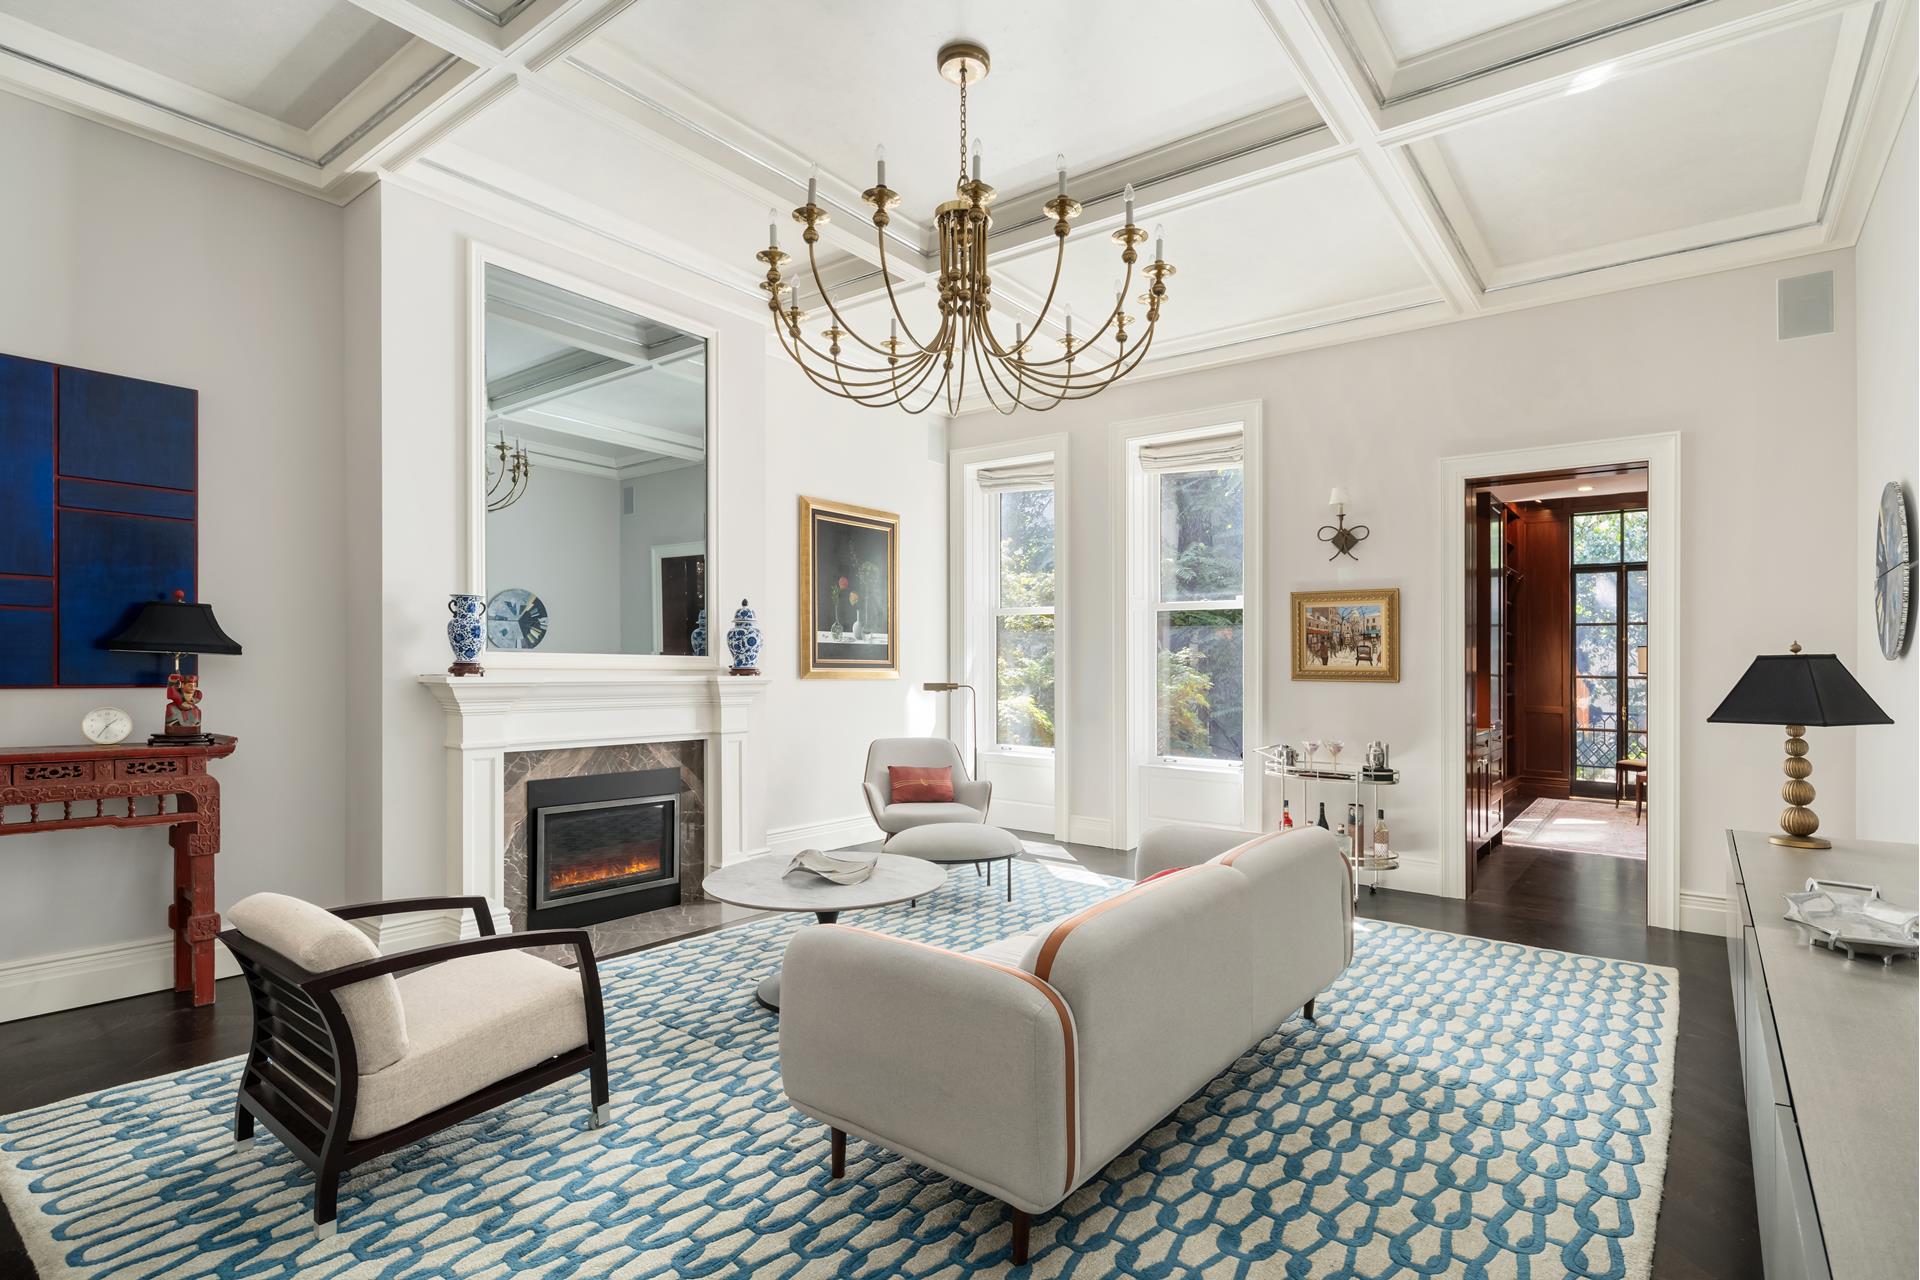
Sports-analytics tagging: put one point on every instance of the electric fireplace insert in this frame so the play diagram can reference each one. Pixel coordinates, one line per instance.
(602, 847)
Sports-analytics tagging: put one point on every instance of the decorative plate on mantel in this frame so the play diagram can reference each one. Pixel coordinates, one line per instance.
(516, 619)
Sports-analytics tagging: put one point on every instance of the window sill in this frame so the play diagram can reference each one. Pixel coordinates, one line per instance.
(1197, 766)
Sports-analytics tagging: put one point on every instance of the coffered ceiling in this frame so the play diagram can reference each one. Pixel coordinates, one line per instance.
(1324, 169)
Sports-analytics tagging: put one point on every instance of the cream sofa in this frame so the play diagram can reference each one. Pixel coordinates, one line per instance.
(1024, 1067)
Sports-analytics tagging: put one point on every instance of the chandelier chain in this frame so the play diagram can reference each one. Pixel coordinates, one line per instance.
(963, 124)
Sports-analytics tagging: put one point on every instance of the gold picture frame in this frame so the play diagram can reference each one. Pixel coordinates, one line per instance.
(849, 620)
(1347, 635)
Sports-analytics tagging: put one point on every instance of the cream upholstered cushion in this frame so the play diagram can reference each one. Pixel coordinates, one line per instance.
(1016, 950)
(966, 841)
(317, 940)
(901, 816)
(470, 1023)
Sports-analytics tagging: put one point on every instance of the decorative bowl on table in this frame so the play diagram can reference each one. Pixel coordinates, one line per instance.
(841, 868)
(1854, 918)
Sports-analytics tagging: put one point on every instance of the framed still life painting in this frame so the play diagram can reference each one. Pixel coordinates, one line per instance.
(1347, 635)
(849, 579)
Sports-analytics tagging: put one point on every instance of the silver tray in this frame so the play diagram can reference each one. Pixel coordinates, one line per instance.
(1854, 918)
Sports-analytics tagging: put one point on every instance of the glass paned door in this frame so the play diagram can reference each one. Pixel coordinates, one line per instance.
(1023, 606)
(1609, 639)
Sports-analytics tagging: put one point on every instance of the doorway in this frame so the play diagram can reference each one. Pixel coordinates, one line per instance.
(1566, 606)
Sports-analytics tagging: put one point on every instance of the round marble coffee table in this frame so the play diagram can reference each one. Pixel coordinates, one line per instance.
(762, 883)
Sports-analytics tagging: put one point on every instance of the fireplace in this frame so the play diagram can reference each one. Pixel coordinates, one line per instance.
(603, 846)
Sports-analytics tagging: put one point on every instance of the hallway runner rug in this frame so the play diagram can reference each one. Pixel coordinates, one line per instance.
(1460, 1108)
(1583, 826)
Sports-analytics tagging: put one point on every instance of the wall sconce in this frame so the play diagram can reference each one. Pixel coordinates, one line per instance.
(1344, 540)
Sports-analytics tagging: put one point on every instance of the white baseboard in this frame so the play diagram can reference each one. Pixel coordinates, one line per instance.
(90, 975)
(834, 833)
(1703, 912)
(1021, 815)
(1097, 832)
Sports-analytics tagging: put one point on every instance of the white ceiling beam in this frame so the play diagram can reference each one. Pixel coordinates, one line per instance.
(624, 432)
(451, 27)
(1686, 33)
(552, 379)
(1344, 102)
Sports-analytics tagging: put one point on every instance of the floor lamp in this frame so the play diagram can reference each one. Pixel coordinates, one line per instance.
(973, 730)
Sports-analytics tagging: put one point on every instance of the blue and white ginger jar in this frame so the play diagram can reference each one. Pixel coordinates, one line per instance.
(743, 641)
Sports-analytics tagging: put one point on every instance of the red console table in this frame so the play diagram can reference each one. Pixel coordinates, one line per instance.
(110, 786)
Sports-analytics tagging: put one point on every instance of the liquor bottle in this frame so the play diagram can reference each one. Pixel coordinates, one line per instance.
(1322, 824)
(1382, 851)
(1286, 817)
(1355, 825)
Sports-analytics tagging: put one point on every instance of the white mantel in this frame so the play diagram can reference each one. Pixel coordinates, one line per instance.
(532, 710)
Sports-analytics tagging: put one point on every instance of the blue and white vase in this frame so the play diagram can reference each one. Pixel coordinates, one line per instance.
(700, 635)
(743, 642)
(466, 632)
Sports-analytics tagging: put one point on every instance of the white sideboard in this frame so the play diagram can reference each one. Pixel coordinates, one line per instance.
(1828, 1054)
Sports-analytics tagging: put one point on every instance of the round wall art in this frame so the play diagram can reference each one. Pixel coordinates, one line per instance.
(1893, 571)
(516, 619)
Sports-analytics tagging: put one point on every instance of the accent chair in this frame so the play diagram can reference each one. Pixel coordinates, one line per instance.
(969, 803)
(350, 1061)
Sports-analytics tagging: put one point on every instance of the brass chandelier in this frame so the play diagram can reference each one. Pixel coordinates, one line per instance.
(914, 375)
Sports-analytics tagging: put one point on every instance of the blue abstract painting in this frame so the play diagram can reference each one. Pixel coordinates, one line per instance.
(99, 513)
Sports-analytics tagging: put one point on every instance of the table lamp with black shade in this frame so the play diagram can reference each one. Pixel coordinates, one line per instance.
(1797, 689)
(176, 627)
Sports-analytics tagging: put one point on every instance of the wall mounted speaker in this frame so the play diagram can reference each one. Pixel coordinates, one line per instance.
(1806, 305)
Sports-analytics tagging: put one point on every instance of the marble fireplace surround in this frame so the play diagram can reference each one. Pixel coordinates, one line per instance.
(627, 932)
(592, 721)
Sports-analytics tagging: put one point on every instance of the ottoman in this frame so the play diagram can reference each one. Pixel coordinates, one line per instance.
(949, 842)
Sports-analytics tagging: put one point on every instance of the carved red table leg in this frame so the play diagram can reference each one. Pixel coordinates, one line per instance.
(194, 921)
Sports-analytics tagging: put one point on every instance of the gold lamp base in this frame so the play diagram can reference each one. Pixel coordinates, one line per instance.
(1797, 821)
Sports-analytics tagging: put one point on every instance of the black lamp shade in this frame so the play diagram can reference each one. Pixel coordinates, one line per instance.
(173, 626)
(1798, 688)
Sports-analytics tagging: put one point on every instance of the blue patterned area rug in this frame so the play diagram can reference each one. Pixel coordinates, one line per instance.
(1460, 1108)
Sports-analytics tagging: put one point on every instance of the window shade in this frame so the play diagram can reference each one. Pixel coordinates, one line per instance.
(1195, 453)
(1035, 474)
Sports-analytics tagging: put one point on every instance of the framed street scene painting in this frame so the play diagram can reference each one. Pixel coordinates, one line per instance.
(849, 579)
(1347, 635)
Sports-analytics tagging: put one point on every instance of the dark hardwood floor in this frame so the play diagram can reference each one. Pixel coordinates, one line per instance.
(1540, 897)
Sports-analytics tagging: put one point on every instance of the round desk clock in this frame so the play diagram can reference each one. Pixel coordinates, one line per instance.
(105, 726)
(1893, 571)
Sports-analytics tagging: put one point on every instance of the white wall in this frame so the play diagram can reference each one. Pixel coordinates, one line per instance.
(135, 259)
(818, 730)
(1885, 806)
(1767, 508)
(561, 541)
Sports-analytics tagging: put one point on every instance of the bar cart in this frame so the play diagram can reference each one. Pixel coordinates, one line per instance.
(1356, 783)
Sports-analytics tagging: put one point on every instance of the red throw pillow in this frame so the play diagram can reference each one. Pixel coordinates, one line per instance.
(909, 785)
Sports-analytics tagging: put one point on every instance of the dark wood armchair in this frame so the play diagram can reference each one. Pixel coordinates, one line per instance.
(304, 1077)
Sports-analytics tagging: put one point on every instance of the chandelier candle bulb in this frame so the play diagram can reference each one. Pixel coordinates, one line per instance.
(1060, 167)
(880, 165)
(813, 186)
(1159, 241)
(976, 159)
(1127, 196)
(773, 229)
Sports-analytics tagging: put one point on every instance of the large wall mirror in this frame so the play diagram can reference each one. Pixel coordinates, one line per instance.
(596, 451)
